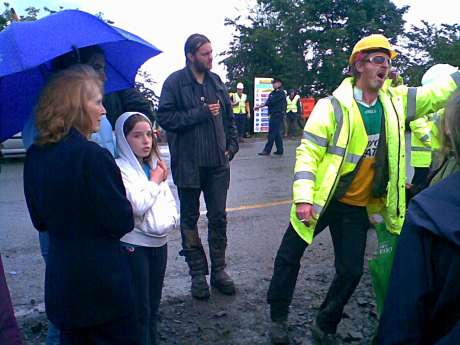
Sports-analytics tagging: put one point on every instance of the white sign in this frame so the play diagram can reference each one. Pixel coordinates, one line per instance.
(262, 88)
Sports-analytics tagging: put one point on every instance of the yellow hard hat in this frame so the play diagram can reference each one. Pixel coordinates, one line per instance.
(374, 41)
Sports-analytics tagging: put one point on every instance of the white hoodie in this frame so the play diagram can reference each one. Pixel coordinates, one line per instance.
(154, 207)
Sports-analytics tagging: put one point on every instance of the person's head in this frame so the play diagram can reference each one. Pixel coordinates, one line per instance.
(452, 122)
(292, 92)
(239, 88)
(276, 83)
(370, 61)
(91, 55)
(72, 98)
(139, 134)
(198, 52)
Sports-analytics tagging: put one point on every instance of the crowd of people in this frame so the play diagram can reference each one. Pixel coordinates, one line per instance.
(104, 210)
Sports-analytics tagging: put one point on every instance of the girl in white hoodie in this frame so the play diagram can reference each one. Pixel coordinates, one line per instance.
(154, 208)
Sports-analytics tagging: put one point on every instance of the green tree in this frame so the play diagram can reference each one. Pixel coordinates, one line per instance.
(305, 42)
(427, 45)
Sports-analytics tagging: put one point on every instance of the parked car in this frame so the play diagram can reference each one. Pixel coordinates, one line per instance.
(13, 146)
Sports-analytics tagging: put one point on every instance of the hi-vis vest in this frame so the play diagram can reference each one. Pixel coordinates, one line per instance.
(240, 108)
(424, 139)
(292, 104)
(334, 139)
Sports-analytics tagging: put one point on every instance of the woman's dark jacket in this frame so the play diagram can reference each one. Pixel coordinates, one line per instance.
(423, 301)
(179, 112)
(74, 191)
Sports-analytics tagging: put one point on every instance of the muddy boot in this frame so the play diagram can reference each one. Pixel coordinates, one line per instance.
(279, 332)
(198, 265)
(322, 338)
(219, 278)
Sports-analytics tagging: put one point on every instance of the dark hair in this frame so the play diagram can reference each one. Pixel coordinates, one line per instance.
(131, 122)
(193, 43)
(77, 55)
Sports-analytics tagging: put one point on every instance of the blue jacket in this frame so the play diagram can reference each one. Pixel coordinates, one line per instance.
(104, 137)
(423, 301)
(74, 190)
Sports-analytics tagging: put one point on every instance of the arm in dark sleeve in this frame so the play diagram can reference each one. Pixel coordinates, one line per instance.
(172, 119)
(34, 214)
(404, 316)
(232, 131)
(133, 100)
(107, 192)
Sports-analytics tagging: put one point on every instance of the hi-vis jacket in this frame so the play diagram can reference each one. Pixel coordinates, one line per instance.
(292, 104)
(424, 139)
(335, 138)
(240, 108)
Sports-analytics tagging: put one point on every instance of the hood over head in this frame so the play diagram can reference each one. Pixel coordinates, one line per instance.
(437, 209)
(124, 151)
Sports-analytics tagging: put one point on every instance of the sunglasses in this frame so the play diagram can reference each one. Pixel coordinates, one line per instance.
(379, 60)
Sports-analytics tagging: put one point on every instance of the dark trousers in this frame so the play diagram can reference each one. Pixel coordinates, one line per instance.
(274, 133)
(117, 332)
(9, 330)
(241, 124)
(148, 266)
(420, 176)
(214, 183)
(348, 226)
(292, 119)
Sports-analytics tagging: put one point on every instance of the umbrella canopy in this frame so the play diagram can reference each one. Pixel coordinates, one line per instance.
(26, 49)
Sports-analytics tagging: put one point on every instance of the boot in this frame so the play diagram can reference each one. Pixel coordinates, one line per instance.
(198, 265)
(321, 337)
(219, 278)
(279, 332)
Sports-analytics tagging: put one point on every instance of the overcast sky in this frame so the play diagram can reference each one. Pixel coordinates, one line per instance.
(167, 24)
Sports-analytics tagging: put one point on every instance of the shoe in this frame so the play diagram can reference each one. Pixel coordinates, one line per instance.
(279, 332)
(200, 288)
(264, 153)
(222, 282)
(321, 337)
(278, 153)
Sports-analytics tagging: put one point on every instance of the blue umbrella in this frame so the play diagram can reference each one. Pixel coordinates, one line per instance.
(26, 49)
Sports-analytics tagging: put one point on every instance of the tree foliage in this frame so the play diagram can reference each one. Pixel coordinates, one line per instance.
(305, 42)
(427, 45)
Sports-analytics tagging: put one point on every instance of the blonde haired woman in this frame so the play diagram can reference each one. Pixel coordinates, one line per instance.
(74, 191)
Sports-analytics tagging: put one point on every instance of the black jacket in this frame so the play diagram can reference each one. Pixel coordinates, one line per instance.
(179, 112)
(74, 191)
(423, 300)
(276, 102)
(119, 102)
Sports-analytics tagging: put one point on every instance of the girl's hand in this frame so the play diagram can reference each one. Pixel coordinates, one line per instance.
(163, 166)
(157, 175)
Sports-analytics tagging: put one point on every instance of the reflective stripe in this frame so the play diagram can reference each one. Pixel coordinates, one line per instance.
(336, 151)
(418, 148)
(456, 77)
(320, 141)
(352, 158)
(304, 175)
(411, 103)
(425, 138)
(338, 114)
(317, 208)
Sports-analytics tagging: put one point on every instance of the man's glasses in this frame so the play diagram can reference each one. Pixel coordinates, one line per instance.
(379, 60)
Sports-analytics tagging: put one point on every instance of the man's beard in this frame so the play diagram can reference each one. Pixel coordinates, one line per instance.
(200, 67)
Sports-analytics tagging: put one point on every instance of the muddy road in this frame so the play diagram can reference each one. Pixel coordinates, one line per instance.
(258, 206)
